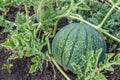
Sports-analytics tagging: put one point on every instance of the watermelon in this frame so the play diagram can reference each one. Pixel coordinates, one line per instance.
(75, 40)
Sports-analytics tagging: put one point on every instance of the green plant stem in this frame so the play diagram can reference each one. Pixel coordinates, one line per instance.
(78, 17)
(57, 66)
(66, 12)
(39, 14)
(71, 7)
(94, 26)
(72, 4)
(55, 28)
(106, 17)
(108, 34)
(106, 66)
(38, 27)
(27, 14)
(117, 7)
(91, 75)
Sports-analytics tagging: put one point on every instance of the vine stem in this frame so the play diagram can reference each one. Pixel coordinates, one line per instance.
(78, 17)
(57, 66)
(27, 13)
(106, 33)
(117, 7)
(75, 16)
(55, 29)
(97, 27)
(106, 17)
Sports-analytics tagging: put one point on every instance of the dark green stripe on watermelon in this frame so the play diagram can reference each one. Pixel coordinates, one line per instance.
(64, 46)
(86, 43)
(74, 43)
(75, 40)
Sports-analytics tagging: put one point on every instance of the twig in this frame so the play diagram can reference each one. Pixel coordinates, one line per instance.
(53, 71)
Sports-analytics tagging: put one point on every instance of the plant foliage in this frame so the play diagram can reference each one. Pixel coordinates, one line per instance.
(91, 70)
(28, 35)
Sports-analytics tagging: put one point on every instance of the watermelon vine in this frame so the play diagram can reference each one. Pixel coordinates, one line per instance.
(69, 14)
(97, 27)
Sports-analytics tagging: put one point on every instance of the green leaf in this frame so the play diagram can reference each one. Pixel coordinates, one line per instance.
(112, 47)
(46, 56)
(108, 57)
(77, 69)
(97, 56)
(99, 76)
(15, 40)
(29, 53)
(110, 68)
(117, 59)
(28, 36)
(20, 18)
(35, 59)
(83, 6)
(90, 69)
(13, 56)
(40, 65)
(9, 44)
(33, 68)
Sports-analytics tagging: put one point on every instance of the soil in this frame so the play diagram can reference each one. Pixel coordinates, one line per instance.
(20, 69)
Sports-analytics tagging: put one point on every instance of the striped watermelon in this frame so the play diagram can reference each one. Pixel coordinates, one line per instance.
(74, 40)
